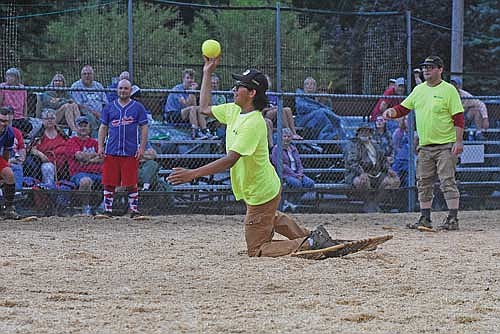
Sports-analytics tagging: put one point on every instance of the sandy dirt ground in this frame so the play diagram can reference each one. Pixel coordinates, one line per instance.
(174, 274)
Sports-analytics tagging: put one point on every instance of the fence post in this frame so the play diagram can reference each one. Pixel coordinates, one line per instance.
(130, 41)
(411, 123)
(279, 120)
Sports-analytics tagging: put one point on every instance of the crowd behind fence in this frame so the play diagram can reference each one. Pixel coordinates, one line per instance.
(324, 161)
(346, 59)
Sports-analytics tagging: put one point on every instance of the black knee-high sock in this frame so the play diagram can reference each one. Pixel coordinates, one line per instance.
(9, 191)
(453, 213)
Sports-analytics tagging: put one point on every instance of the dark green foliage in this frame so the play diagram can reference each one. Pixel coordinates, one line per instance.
(335, 49)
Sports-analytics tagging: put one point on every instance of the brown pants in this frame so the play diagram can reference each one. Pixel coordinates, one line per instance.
(436, 161)
(261, 221)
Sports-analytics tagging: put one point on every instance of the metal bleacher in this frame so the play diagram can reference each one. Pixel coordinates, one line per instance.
(477, 179)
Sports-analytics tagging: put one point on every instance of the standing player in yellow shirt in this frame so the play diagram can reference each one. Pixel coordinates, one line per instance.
(253, 178)
(439, 117)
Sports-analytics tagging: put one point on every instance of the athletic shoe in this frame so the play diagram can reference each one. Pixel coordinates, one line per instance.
(289, 206)
(422, 221)
(197, 134)
(449, 224)
(133, 213)
(108, 213)
(321, 238)
(209, 134)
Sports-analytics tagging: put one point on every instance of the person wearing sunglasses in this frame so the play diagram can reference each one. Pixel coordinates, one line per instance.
(440, 122)
(253, 177)
(7, 175)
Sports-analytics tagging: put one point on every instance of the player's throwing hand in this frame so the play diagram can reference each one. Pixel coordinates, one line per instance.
(210, 64)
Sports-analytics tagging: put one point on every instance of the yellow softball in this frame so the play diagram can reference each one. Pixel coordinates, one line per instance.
(210, 48)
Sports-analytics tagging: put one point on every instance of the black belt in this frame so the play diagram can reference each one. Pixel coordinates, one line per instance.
(433, 145)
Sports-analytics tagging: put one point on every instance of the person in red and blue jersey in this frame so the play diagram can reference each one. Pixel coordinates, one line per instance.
(6, 174)
(122, 121)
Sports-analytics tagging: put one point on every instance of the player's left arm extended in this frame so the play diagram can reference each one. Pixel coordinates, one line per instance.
(183, 175)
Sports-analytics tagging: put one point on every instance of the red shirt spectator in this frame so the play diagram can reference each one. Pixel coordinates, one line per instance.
(54, 149)
(16, 99)
(384, 103)
(86, 145)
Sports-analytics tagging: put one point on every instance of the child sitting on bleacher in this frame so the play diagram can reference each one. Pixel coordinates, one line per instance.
(293, 171)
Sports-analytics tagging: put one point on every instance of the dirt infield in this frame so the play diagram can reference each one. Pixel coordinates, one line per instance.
(190, 274)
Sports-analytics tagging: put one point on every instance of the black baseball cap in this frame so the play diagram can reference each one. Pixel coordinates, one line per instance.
(433, 60)
(252, 79)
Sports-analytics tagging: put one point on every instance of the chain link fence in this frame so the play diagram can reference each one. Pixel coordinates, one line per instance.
(325, 162)
(333, 62)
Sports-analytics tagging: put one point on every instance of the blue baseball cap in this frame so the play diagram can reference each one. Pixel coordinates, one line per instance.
(82, 119)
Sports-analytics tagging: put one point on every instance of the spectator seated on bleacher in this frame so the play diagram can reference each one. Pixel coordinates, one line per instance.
(89, 103)
(61, 102)
(85, 165)
(217, 98)
(47, 154)
(318, 121)
(18, 153)
(401, 143)
(475, 110)
(182, 107)
(218, 129)
(136, 94)
(114, 85)
(293, 170)
(396, 89)
(270, 114)
(16, 99)
(383, 137)
(367, 167)
(148, 169)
